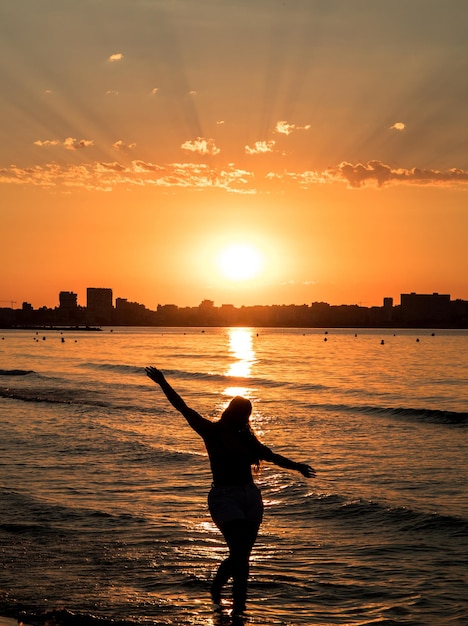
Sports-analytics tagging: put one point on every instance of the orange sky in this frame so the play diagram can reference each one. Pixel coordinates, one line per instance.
(141, 139)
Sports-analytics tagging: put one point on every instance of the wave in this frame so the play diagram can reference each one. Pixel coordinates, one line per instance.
(404, 518)
(435, 416)
(427, 415)
(26, 514)
(53, 395)
(114, 367)
(373, 515)
(57, 392)
(222, 378)
(63, 617)
(420, 414)
(60, 395)
(258, 381)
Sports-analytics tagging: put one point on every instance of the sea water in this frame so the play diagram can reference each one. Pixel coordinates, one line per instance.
(103, 485)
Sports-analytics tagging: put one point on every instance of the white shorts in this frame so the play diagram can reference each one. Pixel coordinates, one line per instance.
(236, 503)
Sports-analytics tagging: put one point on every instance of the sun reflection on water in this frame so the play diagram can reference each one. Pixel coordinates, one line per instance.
(241, 348)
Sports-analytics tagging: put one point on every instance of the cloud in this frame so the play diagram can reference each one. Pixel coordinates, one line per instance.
(111, 92)
(154, 90)
(260, 147)
(108, 176)
(143, 167)
(399, 126)
(373, 174)
(115, 57)
(284, 128)
(110, 167)
(46, 143)
(71, 143)
(121, 146)
(380, 174)
(201, 146)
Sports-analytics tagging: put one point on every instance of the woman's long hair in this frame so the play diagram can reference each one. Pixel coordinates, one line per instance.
(236, 415)
(235, 419)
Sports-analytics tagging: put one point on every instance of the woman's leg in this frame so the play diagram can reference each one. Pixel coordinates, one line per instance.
(223, 574)
(240, 537)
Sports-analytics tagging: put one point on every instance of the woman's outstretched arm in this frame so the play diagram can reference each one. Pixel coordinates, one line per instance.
(196, 421)
(302, 468)
(282, 461)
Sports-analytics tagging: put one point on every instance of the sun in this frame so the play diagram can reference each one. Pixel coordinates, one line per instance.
(239, 262)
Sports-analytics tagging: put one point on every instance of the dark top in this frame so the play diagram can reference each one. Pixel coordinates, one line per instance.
(232, 454)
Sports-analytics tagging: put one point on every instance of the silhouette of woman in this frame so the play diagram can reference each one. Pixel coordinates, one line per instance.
(235, 502)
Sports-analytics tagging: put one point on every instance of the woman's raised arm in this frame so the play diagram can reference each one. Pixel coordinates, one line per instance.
(195, 420)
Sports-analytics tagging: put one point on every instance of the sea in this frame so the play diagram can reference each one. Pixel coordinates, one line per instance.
(103, 485)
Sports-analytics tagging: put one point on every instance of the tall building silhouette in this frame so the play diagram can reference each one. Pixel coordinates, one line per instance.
(68, 301)
(421, 307)
(99, 305)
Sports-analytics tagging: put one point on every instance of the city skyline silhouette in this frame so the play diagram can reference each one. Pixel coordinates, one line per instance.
(425, 310)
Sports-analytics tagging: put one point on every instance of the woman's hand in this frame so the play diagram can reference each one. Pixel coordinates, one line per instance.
(306, 470)
(156, 375)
